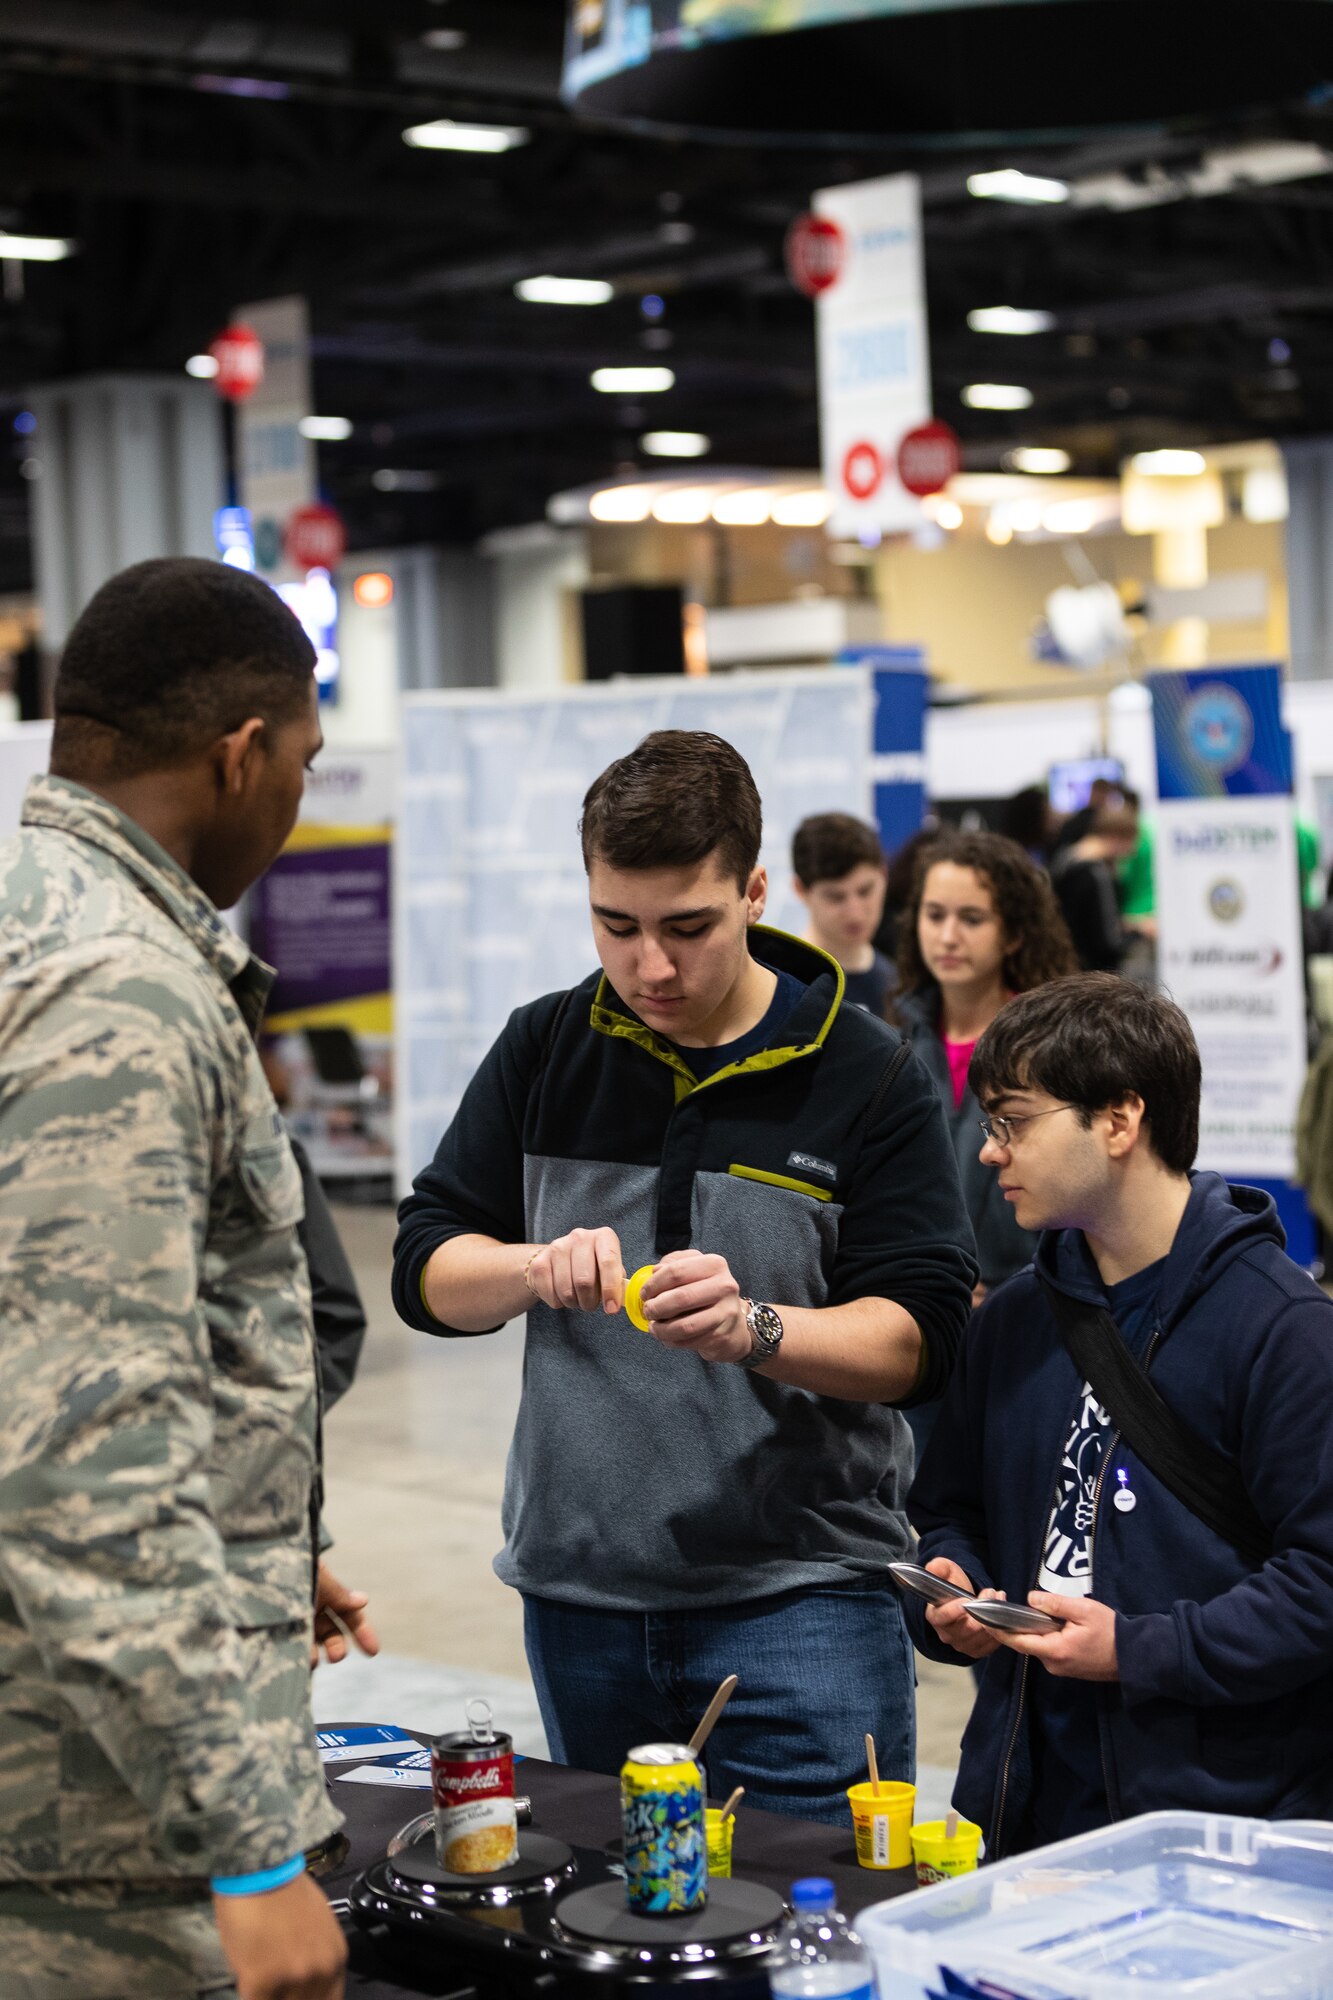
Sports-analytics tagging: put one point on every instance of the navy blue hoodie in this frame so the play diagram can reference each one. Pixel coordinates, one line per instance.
(1225, 1696)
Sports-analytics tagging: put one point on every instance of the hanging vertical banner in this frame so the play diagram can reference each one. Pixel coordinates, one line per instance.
(275, 463)
(874, 356)
(1228, 906)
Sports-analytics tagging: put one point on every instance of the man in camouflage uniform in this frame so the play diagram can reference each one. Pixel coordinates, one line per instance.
(158, 1446)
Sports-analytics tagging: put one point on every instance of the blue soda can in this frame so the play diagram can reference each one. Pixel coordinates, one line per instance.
(666, 1855)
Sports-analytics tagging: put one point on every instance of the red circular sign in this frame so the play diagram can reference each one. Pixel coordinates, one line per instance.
(928, 458)
(862, 470)
(316, 537)
(816, 251)
(239, 353)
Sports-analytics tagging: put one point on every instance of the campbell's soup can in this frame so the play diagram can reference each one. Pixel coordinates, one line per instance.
(476, 1827)
(662, 1810)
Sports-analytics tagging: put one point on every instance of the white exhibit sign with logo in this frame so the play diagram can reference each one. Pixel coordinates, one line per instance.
(1230, 928)
(874, 355)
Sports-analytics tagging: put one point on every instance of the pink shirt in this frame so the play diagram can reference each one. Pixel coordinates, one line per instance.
(960, 1055)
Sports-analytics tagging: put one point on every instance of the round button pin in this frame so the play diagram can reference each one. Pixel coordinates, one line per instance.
(1124, 1500)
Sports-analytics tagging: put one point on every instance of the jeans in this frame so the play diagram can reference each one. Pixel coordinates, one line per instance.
(817, 1669)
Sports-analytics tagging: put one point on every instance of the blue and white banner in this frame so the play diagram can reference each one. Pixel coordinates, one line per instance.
(1228, 905)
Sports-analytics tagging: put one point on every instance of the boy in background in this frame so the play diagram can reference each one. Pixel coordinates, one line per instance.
(840, 877)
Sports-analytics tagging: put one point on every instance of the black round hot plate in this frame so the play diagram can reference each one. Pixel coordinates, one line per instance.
(542, 1864)
(734, 1910)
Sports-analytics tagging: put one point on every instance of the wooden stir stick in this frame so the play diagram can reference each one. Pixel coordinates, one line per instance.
(951, 1824)
(874, 1767)
(711, 1713)
(732, 1803)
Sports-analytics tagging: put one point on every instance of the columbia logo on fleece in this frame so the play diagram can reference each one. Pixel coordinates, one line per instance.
(811, 1165)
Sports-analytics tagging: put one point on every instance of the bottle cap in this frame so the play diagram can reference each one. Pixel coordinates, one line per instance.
(813, 1892)
(634, 1297)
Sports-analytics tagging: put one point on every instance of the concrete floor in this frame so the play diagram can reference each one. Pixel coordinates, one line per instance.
(414, 1472)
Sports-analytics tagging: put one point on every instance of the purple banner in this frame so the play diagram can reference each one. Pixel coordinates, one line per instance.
(321, 916)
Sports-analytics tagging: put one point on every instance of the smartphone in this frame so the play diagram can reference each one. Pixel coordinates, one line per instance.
(911, 1576)
(1002, 1617)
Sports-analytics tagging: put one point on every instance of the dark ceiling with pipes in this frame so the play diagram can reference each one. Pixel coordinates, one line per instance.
(201, 159)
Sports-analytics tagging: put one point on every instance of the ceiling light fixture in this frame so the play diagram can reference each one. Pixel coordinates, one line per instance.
(944, 512)
(1011, 184)
(326, 430)
(675, 444)
(443, 135)
(750, 507)
(1071, 517)
(405, 479)
(36, 249)
(620, 503)
(632, 381)
(808, 509)
(1169, 464)
(997, 396)
(202, 366)
(1042, 459)
(682, 506)
(549, 291)
(444, 39)
(1010, 319)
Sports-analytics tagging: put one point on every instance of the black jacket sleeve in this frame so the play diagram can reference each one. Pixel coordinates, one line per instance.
(474, 1185)
(946, 1505)
(904, 1233)
(340, 1317)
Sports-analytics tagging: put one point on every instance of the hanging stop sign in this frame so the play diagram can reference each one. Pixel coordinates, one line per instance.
(928, 458)
(862, 470)
(316, 537)
(815, 251)
(239, 353)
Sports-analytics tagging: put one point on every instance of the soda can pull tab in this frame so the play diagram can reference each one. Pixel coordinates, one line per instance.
(480, 1719)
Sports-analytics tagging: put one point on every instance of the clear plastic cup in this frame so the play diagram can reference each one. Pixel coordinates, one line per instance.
(882, 1823)
(719, 1833)
(939, 1859)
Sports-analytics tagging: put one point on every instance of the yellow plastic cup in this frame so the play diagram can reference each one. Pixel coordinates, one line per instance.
(883, 1824)
(719, 1833)
(634, 1297)
(939, 1859)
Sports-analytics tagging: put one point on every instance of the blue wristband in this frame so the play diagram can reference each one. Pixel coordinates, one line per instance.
(257, 1884)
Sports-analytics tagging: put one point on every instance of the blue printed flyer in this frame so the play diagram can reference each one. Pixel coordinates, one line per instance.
(339, 1746)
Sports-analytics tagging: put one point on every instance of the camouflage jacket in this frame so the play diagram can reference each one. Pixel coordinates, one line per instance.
(158, 1437)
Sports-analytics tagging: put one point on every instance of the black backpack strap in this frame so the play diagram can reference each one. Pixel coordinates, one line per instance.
(1200, 1477)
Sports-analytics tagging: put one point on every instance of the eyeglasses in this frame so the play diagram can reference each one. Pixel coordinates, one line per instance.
(1003, 1130)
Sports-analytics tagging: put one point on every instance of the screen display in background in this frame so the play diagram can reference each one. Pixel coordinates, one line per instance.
(607, 36)
(1070, 785)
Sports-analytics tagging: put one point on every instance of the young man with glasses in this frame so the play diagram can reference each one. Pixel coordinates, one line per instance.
(1193, 1664)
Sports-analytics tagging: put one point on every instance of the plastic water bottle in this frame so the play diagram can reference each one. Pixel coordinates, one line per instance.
(818, 1955)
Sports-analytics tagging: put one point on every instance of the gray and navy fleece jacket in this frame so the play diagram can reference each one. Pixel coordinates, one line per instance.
(646, 1479)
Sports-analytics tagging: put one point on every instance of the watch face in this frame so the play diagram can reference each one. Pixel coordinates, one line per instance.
(766, 1325)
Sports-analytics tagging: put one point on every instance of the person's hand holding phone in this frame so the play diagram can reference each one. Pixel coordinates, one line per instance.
(952, 1622)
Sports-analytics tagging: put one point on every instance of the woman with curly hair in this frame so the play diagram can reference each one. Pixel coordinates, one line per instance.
(982, 925)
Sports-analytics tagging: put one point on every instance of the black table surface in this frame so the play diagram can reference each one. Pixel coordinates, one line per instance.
(583, 1807)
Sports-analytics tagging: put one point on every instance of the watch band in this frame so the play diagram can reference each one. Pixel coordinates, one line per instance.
(765, 1324)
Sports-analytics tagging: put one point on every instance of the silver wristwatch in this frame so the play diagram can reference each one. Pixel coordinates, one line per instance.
(765, 1324)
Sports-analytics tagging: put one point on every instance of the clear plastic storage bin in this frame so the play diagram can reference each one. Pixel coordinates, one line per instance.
(1182, 1905)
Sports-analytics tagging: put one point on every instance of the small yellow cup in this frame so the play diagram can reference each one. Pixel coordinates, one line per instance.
(883, 1825)
(938, 1859)
(719, 1833)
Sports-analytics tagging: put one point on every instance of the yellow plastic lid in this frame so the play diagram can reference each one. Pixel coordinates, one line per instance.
(634, 1297)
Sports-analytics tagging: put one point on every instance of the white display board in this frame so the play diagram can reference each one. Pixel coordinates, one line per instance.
(25, 751)
(490, 895)
(1230, 955)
